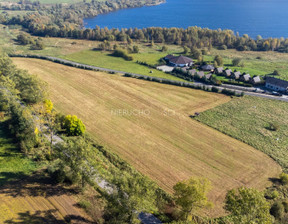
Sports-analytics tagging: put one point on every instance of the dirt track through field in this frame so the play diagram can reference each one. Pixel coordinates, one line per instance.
(148, 125)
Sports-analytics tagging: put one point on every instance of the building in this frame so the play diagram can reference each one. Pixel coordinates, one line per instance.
(200, 74)
(245, 78)
(227, 72)
(192, 72)
(208, 76)
(179, 61)
(207, 68)
(276, 84)
(235, 75)
(219, 71)
(255, 80)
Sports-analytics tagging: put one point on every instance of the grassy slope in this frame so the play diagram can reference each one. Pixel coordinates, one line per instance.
(247, 119)
(166, 144)
(13, 164)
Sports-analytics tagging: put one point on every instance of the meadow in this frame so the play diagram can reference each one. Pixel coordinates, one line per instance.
(148, 125)
(13, 164)
(248, 119)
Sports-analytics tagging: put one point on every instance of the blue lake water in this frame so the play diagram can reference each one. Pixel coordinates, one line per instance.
(269, 18)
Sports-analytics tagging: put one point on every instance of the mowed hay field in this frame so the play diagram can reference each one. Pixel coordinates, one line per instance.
(148, 125)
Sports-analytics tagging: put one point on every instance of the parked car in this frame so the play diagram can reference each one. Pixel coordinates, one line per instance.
(276, 93)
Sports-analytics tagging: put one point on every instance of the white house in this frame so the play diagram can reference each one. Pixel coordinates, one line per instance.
(276, 84)
(179, 61)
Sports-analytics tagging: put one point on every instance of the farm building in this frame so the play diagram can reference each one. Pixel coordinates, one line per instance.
(245, 78)
(200, 74)
(219, 71)
(235, 75)
(208, 68)
(255, 80)
(227, 72)
(276, 84)
(208, 76)
(192, 72)
(179, 61)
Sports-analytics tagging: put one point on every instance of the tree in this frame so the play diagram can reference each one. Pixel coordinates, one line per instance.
(248, 205)
(73, 125)
(78, 157)
(219, 60)
(190, 195)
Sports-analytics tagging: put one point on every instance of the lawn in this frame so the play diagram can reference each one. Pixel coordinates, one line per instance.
(248, 118)
(13, 164)
(148, 125)
(105, 60)
(255, 63)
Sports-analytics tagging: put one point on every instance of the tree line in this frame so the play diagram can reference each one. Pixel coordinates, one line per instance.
(67, 21)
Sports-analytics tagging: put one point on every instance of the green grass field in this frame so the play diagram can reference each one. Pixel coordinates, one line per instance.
(247, 119)
(13, 164)
(105, 60)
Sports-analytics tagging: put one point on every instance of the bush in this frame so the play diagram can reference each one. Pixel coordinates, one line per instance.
(273, 127)
(215, 89)
(277, 210)
(236, 61)
(284, 178)
(73, 125)
(122, 54)
(223, 47)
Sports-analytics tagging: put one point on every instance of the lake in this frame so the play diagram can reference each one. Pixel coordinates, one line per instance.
(269, 18)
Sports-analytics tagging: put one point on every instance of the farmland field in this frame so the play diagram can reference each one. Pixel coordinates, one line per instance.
(248, 120)
(148, 125)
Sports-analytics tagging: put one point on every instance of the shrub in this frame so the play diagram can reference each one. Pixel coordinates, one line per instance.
(236, 61)
(277, 210)
(284, 178)
(73, 125)
(273, 127)
(223, 47)
(122, 54)
(215, 89)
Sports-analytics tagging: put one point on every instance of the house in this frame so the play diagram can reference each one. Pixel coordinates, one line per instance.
(227, 72)
(276, 84)
(168, 57)
(255, 80)
(200, 74)
(219, 71)
(184, 70)
(208, 68)
(208, 76)
(179, 61)
(192, 72)
(235, 75)
(245, 78)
